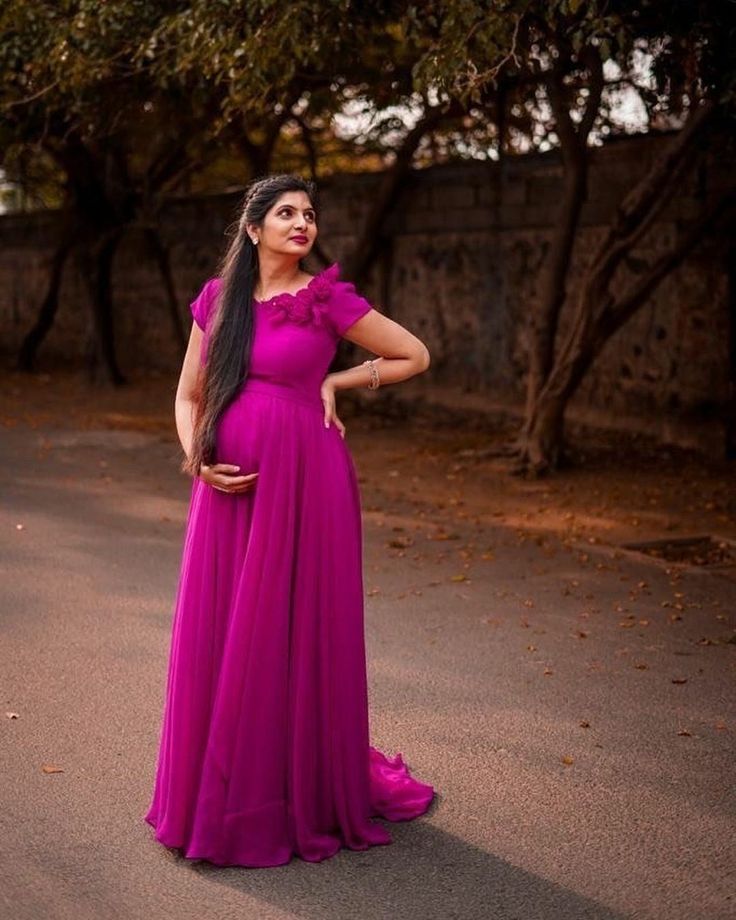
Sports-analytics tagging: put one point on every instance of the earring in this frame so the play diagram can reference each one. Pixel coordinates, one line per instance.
(255, 240)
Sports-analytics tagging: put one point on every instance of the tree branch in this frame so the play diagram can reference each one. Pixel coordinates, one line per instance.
(647, 197)
(384, 199)
(617, 313)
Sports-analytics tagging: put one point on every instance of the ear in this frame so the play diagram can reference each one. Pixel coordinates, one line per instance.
(253, 231)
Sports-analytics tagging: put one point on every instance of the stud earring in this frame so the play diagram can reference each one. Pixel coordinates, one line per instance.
(255, 240)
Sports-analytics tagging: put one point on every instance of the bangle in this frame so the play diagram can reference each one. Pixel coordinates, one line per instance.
(375, 381)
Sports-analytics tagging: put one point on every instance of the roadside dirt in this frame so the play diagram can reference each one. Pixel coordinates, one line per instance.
(620, 488)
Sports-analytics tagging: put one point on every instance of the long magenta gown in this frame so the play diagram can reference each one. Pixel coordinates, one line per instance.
(264, 748)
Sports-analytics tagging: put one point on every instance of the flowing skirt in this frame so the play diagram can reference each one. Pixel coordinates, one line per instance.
(264, 750)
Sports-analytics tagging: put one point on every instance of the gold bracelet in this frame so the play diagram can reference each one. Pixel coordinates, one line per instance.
(375, 379)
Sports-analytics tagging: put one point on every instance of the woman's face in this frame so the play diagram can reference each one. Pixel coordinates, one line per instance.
(289, 227)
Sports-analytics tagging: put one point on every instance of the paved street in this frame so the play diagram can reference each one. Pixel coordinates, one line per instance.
(574, 709)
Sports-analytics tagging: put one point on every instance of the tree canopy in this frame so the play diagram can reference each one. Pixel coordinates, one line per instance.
(107, 109)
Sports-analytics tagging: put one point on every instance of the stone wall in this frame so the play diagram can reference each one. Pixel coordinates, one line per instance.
(460, 268)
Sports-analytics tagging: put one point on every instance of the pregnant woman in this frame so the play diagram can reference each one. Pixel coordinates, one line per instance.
(264, 749)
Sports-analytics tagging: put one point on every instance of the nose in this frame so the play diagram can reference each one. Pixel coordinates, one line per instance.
(299, 222)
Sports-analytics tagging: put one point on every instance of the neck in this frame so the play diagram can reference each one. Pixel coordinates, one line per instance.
(275, 273)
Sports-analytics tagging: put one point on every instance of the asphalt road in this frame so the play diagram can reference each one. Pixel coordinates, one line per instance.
(574, 710)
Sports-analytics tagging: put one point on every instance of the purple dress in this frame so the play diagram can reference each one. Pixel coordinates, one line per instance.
(264, 748)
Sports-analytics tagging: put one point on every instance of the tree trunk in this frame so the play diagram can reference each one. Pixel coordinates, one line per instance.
(730, 432)
(97, 270)
(161, 254)
(541, 443)
(544, 320)
(598, 315)
(370, 242)
(34, 338)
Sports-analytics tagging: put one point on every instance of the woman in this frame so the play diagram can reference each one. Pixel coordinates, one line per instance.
(264, 749)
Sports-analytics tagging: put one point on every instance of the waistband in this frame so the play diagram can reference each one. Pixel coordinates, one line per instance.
(282, 390)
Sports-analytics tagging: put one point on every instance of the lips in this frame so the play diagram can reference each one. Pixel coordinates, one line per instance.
(298, 239)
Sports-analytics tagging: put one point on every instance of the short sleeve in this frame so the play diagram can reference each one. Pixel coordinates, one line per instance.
(346, 306)
(201, 306)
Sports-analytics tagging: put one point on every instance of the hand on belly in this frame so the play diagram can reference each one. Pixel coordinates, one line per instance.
(225, 477)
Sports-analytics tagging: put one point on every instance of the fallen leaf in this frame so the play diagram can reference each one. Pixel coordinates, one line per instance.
(50, 768)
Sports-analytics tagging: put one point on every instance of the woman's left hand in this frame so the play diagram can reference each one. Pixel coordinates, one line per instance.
(327, 392)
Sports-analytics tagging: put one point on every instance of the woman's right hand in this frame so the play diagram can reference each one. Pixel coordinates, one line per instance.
(221, 476)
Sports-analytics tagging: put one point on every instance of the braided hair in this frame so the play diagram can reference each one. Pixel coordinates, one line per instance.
(230, 327)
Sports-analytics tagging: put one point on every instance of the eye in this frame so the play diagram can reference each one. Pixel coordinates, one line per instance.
(287, 211)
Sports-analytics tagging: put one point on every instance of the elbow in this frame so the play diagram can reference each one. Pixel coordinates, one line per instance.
(423, 359)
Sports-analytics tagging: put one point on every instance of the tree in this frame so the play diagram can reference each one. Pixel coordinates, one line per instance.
(558, 56)
(108, 106)
(119, 131)
(263, 83)
(308, 61)
(74, 97)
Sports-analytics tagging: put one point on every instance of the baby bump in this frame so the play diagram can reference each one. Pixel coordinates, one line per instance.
(263, 431)
(239, 438)
(266, 432)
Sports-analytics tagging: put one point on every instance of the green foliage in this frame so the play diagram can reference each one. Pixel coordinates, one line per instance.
(140, 75)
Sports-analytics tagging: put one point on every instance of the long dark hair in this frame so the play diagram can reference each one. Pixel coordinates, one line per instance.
(230, 327)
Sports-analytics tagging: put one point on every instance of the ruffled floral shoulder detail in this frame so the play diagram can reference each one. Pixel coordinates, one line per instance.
(310, 304)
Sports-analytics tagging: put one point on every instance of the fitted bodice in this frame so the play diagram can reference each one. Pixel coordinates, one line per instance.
(295, 334)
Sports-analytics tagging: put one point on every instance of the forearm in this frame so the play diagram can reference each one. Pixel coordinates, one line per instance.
(184, 413)
(390, 370)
